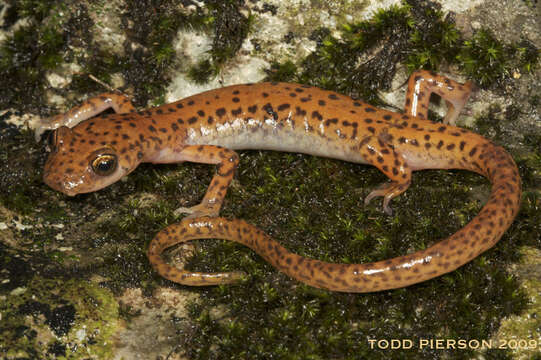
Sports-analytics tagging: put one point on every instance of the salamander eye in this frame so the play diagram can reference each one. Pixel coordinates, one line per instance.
(104, 164)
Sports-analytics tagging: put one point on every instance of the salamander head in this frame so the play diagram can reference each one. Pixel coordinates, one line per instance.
(84, 163)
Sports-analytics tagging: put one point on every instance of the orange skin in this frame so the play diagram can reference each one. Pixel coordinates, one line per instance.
(208, 127)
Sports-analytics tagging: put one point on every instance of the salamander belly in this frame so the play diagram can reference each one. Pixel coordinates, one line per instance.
(268, 134)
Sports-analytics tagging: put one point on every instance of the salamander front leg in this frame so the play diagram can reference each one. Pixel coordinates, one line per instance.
(119, 103)
(393, 165)
(227, 161)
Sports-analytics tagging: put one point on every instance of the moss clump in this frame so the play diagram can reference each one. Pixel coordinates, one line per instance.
(20, 177)
(364, 58)
(31, 51)
(58, 318)
(53, 34)
(154, 26)
(339, 63)
(230, 28)
(487, 61)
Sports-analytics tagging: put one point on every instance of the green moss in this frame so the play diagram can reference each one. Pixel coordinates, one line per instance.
(425, 53)
(30, 51)
(521, 333)
(282, 71)
(363, 59)
(54, 33)
(338, 66)
(489, 62)
(149, 71)
(19, 188)
(203, 71)
(230, 28)
(69, 319)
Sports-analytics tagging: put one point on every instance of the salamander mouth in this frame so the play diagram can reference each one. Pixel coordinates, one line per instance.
(59, 185)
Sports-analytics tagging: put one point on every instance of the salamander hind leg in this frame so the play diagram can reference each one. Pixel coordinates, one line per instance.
(393, 165)
(422, 83)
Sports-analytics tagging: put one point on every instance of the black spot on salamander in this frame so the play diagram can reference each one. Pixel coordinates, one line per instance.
(268, 108)
(333, 97)
(387, 117)
(283, 107)
(201, 113)
(220, 112)
(236, 112)
(331, 121)
(192, 120)
(317, 115)
(369, 109)
(299, 111)
(252, 109)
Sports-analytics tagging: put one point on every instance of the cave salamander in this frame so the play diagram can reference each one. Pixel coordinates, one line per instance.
(91, 149)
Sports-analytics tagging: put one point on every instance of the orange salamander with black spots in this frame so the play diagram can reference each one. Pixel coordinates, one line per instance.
(89, 152)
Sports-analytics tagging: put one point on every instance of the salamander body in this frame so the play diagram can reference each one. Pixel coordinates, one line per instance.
(90, 152)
